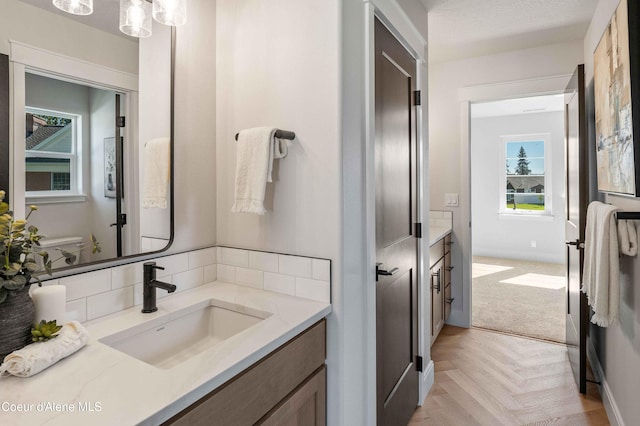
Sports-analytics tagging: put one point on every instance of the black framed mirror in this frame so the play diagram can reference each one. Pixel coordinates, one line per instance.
(87, 169)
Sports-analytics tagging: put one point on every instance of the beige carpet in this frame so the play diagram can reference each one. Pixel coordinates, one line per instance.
(524, 298)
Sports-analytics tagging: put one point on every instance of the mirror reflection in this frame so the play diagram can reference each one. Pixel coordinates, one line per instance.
(93, 108)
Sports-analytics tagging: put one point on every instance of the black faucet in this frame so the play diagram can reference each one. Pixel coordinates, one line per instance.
(149, 287)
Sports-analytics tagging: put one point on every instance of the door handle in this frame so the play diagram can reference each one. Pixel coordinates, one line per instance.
(380, 271)
(577, 243)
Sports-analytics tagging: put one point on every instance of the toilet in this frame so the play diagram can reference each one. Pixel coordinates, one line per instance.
(51, 246)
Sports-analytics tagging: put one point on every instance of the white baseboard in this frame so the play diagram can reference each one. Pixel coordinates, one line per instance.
(605, 391)
(428, 377)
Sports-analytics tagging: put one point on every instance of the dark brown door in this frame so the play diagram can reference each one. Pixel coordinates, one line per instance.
(397, 278)
(576, 187)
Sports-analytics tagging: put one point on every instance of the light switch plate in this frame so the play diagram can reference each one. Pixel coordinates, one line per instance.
(451, 200)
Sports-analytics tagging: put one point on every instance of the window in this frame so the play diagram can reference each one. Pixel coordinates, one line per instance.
(51, 151)
(525, 183)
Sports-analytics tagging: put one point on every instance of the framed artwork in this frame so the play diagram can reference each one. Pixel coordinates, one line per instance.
(110, 167)
(617, 106)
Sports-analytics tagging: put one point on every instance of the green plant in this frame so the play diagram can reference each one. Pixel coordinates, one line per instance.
(44, 331)
(18, 250)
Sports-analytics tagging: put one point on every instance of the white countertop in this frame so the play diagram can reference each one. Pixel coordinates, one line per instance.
(124, 391)
(437, 232)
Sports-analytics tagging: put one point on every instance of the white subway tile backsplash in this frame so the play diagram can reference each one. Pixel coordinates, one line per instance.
(203, 257)
(172, 264)
(77, 310)
(249, 277)
(94, 294)
(313, 289)
(235, 257)
(226, 273)
(280, 283)
(321, 269)
(210, 273)
(87, 284)
(295, 265)
(126, 275)
(109, 302)
(267, 262)
(189, 279)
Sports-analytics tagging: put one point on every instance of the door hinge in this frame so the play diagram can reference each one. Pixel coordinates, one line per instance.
(120, 121)
(123, 219)
(417, 98)
(419, 365)
(418, 230)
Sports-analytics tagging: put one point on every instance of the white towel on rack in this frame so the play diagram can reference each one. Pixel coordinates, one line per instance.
(601, 273)
(157, 158)
(628, 237)
(257, 148)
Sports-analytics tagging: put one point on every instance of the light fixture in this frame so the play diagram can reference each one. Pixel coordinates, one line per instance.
(135, 18)
(135, 15)
(76, 7)
(170, 12)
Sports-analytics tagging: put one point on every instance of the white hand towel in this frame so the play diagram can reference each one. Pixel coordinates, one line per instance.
(157, 159)
(257, 148)
(35, 357)
(601, 273)
(628, 237)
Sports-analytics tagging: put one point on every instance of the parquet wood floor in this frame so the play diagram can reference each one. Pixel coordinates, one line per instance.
(488, 378)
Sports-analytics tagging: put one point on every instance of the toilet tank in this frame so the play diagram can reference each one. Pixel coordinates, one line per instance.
(53, 246)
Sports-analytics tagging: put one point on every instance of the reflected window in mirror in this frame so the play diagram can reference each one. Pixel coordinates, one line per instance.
(51, 152)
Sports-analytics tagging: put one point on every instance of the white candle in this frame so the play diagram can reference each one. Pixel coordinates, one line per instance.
(51, 303)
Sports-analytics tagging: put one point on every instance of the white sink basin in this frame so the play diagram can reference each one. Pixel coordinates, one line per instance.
(173, 338)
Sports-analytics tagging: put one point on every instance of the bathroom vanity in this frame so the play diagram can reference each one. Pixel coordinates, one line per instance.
(264, 365)
(440, 266)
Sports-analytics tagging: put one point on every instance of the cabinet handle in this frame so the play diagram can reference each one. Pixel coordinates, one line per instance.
(437, 276)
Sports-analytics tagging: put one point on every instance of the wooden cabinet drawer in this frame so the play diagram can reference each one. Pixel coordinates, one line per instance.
(447, 243)
(447, 268)
(436, 251)
(306, 406)
(249, 396)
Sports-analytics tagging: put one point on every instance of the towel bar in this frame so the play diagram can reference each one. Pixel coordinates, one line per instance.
(280, 134)
(628, 215)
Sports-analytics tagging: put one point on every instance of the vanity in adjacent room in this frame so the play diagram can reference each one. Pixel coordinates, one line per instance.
(440, 266)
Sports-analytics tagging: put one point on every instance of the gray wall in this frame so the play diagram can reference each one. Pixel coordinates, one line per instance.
(617, 347)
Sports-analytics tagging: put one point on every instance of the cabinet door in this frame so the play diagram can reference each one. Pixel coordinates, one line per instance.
(306, 406)
(437, 298)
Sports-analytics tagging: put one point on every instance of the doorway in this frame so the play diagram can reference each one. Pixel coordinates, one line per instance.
(517, 210)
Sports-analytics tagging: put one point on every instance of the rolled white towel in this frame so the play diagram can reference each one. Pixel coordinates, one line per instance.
(628, 237)
(36, 357)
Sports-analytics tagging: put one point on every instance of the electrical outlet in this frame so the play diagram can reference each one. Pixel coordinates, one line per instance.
(451, 200)
(533, 244)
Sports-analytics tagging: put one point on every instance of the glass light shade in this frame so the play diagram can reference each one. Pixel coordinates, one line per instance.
(135, 18)
(76, 7)
(170, 12)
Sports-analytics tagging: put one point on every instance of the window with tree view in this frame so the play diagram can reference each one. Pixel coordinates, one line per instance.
(50, 151)
(525, 177)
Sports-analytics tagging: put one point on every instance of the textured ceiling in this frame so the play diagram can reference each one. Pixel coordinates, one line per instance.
(466, 28)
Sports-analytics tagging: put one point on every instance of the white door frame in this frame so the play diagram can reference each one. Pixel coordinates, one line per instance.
(396, 20)
(484, 93)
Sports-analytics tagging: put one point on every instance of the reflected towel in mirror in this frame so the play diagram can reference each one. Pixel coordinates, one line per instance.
(156, 173)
